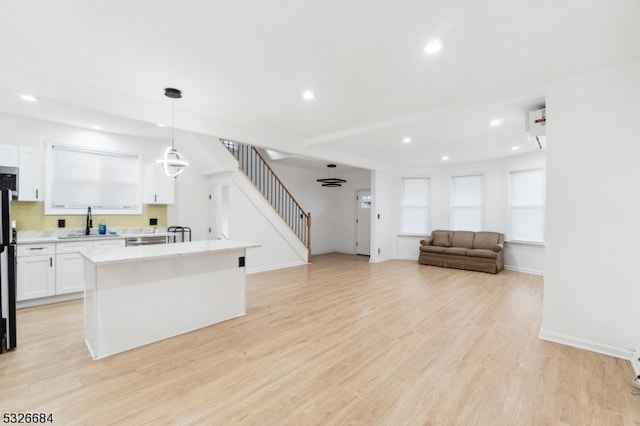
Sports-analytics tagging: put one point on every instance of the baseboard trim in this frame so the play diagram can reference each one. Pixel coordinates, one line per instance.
(30, 303)
(635, 363)
(525, 270)
(586, 345)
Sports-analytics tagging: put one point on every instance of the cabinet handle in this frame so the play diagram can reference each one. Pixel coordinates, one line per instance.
(36, 194)
(155, 197)
(51, 262)
(36, 248)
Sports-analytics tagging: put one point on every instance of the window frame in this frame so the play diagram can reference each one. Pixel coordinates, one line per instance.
(508, 237)
(481, 207)
(426, 207)
(129, 208)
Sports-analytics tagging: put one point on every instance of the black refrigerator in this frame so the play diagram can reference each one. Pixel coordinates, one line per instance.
(7, 275)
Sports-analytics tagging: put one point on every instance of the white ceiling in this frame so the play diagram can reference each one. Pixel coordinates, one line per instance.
(242, 66)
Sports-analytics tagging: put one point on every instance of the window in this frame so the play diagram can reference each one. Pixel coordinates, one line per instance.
(365, 202)
(526, 206)
(414, 206)
(107, 182)
(466, 203)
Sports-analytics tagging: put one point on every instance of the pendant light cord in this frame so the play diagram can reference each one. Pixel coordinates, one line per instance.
(173, 126)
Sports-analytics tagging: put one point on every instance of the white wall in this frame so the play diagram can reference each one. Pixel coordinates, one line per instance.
(252, 219)
(592, 229)
(384, 211)
(191, 208)
(333, 210)
(521, 257)
(345, 210)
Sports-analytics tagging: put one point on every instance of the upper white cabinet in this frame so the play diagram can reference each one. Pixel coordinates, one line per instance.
(158, 187)
(30, 175)
(9, 155)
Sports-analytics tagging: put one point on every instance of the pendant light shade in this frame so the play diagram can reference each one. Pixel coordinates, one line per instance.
(172, 163)
(331, 182)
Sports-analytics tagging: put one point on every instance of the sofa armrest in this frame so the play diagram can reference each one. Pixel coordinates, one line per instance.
(426, 241)
(497, 248)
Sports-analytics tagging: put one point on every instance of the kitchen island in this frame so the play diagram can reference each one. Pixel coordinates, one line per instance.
(139, 295)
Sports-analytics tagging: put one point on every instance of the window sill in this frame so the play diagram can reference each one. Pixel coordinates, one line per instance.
(525, 243)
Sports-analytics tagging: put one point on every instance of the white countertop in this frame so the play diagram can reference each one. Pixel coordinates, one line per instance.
(40, 238)
(139, 253)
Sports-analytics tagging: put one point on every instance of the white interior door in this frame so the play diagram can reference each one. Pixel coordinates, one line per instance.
(363, 223)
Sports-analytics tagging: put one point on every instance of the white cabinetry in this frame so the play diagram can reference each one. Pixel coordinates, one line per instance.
(53, 269)
(30, 175)
(110, 243)
(70, 266)
(158, 187)
(36, 271)
(8, 155)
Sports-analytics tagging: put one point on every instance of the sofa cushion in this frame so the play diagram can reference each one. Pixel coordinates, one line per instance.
(431, 249)
(484, 253)
(462, 239)
(456, 251)
(486, 240)
(441, 238)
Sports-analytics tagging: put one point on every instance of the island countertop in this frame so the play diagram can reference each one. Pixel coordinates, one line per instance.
(156, 251)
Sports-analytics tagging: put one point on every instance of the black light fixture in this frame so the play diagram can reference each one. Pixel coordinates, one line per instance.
(172, 163)
(331, 182)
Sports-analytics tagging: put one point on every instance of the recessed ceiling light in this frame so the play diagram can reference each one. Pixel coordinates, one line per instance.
(495, 122)
(406, 140)
(308, 95)
(29, 98)
(445, 157)
(434, 46)
(515, 148)
(161, 125)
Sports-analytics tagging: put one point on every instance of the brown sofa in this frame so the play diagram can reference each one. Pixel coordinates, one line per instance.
(474, 251)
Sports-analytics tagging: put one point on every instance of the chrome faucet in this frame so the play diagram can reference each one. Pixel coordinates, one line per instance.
(87, 230)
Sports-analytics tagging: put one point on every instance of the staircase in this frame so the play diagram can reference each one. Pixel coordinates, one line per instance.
(271, 187)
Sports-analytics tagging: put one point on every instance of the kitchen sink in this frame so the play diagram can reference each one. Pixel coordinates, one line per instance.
(80, 236)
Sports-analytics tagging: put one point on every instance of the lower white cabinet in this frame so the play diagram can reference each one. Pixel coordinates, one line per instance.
(52, 269)
(70, 266)
(36, 275)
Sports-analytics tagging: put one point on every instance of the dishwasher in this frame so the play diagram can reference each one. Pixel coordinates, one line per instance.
(145, 240)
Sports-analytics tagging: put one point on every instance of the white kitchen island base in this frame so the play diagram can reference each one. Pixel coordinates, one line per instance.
(139, 295)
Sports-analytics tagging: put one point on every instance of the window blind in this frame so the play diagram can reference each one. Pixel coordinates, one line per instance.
(526, 206)
(82, 178)
(414, 206)
(467, 197)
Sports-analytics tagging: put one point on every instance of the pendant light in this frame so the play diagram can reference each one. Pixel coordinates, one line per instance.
(331, 182)
(172, 163)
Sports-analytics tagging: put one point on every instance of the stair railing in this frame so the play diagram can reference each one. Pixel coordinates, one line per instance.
(274, 191)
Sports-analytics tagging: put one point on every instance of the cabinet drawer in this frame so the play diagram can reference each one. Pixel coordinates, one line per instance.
(36, 249)
(74, 247)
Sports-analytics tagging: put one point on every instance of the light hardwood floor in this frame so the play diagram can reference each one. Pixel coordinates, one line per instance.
(337, 342)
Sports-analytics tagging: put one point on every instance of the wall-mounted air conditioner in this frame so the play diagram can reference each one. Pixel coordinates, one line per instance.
(536, 128)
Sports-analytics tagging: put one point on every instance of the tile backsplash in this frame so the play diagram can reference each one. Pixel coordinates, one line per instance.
(29, 216)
